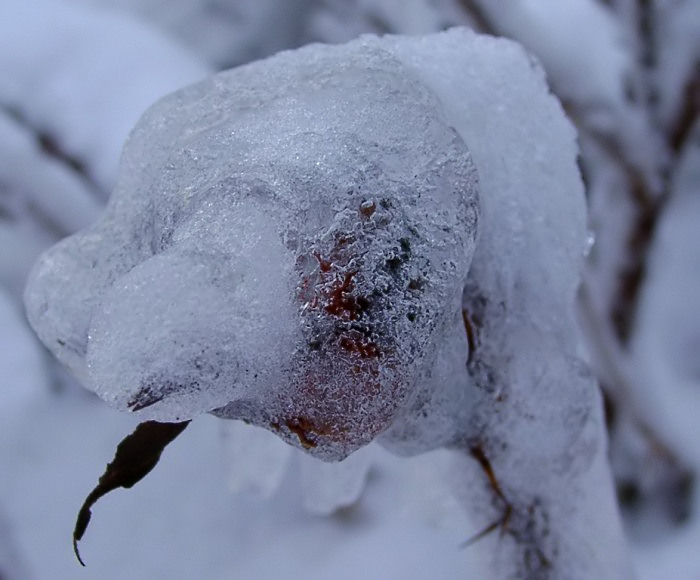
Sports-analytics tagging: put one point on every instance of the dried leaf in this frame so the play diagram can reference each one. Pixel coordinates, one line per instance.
(136, 456)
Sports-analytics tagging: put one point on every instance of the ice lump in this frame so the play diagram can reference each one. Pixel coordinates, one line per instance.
(287, 244)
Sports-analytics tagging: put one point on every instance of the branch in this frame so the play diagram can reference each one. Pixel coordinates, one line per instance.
(51, 147)
(688, 112)
(480, 17)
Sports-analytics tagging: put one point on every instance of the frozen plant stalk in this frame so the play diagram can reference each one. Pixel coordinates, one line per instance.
(303, 243)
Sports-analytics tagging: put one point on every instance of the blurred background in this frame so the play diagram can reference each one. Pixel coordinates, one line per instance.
(231, 502)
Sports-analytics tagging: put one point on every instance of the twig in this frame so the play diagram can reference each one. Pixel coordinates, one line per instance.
(688, 112)
(51, 147)
(480, 17)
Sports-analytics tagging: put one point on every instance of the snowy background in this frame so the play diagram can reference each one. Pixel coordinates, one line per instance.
(228, 503)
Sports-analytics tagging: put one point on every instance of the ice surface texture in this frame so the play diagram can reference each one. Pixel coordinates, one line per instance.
(287, 244)
(303, 243)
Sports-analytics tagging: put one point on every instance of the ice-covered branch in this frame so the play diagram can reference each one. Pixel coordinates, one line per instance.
(381, 240)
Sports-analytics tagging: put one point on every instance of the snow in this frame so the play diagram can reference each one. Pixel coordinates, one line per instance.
(329, 487)
(70, 206)
(522, 284)
(668, 338)
(50, 47)
(41, 200)
(220, 32)
(256, 460)
(201, 528)
(678, 53)
(674, 556)
(590, 63)
(21, 361)
(578, 41)
(12, 566)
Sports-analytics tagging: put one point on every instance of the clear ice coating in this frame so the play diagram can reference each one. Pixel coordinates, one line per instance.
(303, 243)
(287, 244)
(294, 243)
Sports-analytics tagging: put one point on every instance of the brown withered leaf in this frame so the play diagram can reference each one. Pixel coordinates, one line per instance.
(136, 456)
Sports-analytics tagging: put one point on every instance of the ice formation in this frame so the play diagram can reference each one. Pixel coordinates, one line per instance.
(287, 245)
(303, 243)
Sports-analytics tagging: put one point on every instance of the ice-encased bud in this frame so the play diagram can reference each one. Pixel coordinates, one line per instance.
(287, 244)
